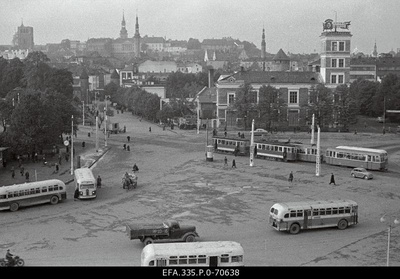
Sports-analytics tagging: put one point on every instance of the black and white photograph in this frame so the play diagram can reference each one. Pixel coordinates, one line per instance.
(201, 136)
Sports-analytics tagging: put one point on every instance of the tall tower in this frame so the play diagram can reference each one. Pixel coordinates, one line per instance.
(335, 53)
(263, 49)
(136, 38)
(123, 34)
(23, 38)
(375, 52)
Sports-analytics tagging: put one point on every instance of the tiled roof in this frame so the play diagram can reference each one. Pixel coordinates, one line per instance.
(281, 55)
(277, 77)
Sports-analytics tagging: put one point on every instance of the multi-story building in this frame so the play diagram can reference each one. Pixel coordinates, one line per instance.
(335, 53)
(23, 38)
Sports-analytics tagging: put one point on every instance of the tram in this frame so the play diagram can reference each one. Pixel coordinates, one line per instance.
(275, 150)
(232, 145)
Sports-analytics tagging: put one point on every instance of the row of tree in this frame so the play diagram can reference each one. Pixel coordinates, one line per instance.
(36, 105)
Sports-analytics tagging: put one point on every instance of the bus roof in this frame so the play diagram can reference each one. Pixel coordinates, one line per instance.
(84, 174)
(28, 185)
(194, 248)
(230, 137)
(363, 149)
(313, 204)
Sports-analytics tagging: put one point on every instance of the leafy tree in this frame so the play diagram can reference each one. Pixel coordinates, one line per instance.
(346, 106)
(12, 76)
(270, 107)
(321, 105)
(36, 70)
(60, 80)
(364, 91)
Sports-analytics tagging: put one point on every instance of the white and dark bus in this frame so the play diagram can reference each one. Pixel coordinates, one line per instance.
(296, 216)
(85, 183)
(19, 195)
(208, 253)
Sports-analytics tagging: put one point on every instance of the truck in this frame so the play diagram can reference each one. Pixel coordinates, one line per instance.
(169, 231)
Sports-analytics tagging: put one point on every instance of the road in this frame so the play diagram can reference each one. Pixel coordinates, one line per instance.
(176, 182)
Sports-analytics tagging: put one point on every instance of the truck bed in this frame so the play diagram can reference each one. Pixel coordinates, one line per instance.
(135, 231)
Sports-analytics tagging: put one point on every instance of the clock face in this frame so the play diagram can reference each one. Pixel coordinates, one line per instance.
(328, 25)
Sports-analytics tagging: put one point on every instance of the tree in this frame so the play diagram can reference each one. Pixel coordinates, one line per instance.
(60, 80)
(36, 70)
(321, 105)
(364, 91)
(12, 76)
(244, 105)
(270, 107)
(346, 106)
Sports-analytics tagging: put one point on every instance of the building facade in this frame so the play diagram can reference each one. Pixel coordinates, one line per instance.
(23, 38)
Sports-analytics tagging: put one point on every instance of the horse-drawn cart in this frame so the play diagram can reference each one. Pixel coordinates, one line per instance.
(129, 181)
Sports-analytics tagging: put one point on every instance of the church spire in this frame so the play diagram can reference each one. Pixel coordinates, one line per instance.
(263, 49)
(375, 52)
(123, 34)
(137, 34)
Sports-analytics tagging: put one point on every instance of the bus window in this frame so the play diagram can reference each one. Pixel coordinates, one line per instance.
(3, 197)
(201, 259)
(44, 189)
(50, 188)
(292, 213)
(299, 213)
(21, 193)
(192, 259)
(321, 211)
(10, 195)
(236, 259)
(16, 194)
(347, 209)
(328, 211)
(55, 187)
(173, 260)
(26, 192)
(182, 259)
(37, 190)
(315, 212)
(224, 258)
(341, 210)
(334, 210)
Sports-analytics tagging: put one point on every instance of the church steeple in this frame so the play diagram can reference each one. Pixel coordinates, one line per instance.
(137, 34)
(375, 52)
(123, 34)
(136, 38)
(263, 49)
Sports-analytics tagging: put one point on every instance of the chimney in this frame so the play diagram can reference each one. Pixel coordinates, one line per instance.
(210, 77)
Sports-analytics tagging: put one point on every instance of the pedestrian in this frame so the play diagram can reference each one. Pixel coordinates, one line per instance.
(135, 168)
(332, 180)
(124, 146)
(98, 181)
(57, 168)
(233, 164)
(27, 176)
(12, 172)
(128, 148)
(225, 161)
(76, 194)
(290, 177)
(149, 129)
(129, 138)
(22, 170)
(83, 144)
(125, 129)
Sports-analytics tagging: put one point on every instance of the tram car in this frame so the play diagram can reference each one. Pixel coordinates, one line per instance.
(232, 145)
(307, 152)
(275, 150)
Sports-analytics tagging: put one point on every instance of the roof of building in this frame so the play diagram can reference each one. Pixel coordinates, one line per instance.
(281, 55)
(207, 95)
(276, 77)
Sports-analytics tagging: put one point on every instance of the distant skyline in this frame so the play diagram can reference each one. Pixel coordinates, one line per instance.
(293, 25)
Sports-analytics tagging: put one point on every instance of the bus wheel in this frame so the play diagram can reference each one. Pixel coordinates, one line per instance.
(148, 240)
(294, 229)
(14, 206)
(189, 238)
(54, 200)
(342, 224)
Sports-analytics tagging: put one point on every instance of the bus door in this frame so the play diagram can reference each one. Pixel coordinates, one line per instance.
(307, 219)
(213, 261)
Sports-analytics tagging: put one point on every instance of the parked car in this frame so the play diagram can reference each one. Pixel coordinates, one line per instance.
(361, 173)
(259, 132)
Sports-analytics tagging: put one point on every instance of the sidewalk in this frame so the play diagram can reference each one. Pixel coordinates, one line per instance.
(37, 171)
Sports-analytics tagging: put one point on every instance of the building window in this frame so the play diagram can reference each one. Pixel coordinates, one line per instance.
(293, 97)
(338, 46)
(337, 63)
(337, 78)
(231, 98)
(341, 63)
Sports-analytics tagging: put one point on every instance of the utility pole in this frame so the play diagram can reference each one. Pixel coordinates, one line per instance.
(72, 145)
(312, 129)
(252, 144)
(318, 158)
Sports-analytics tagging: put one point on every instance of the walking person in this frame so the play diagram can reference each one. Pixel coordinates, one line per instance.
(290, 177)
(22, 171)
(332, 180)
(233, 164)
(98, 181)
(27, 176)
(12, 172)
(225, 161)
(76, 194)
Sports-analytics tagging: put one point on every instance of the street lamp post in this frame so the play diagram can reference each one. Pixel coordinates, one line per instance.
(72, 145)
(83, 113)
(390, 225)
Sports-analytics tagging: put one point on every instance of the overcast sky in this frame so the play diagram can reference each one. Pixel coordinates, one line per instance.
(293, 25)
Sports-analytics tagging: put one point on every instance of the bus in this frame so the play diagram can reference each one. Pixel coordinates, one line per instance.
(296, 216)
(350, 156)
(233, 145)
(208, 253)
(275, 150)
(19, 195)
(85, 183)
